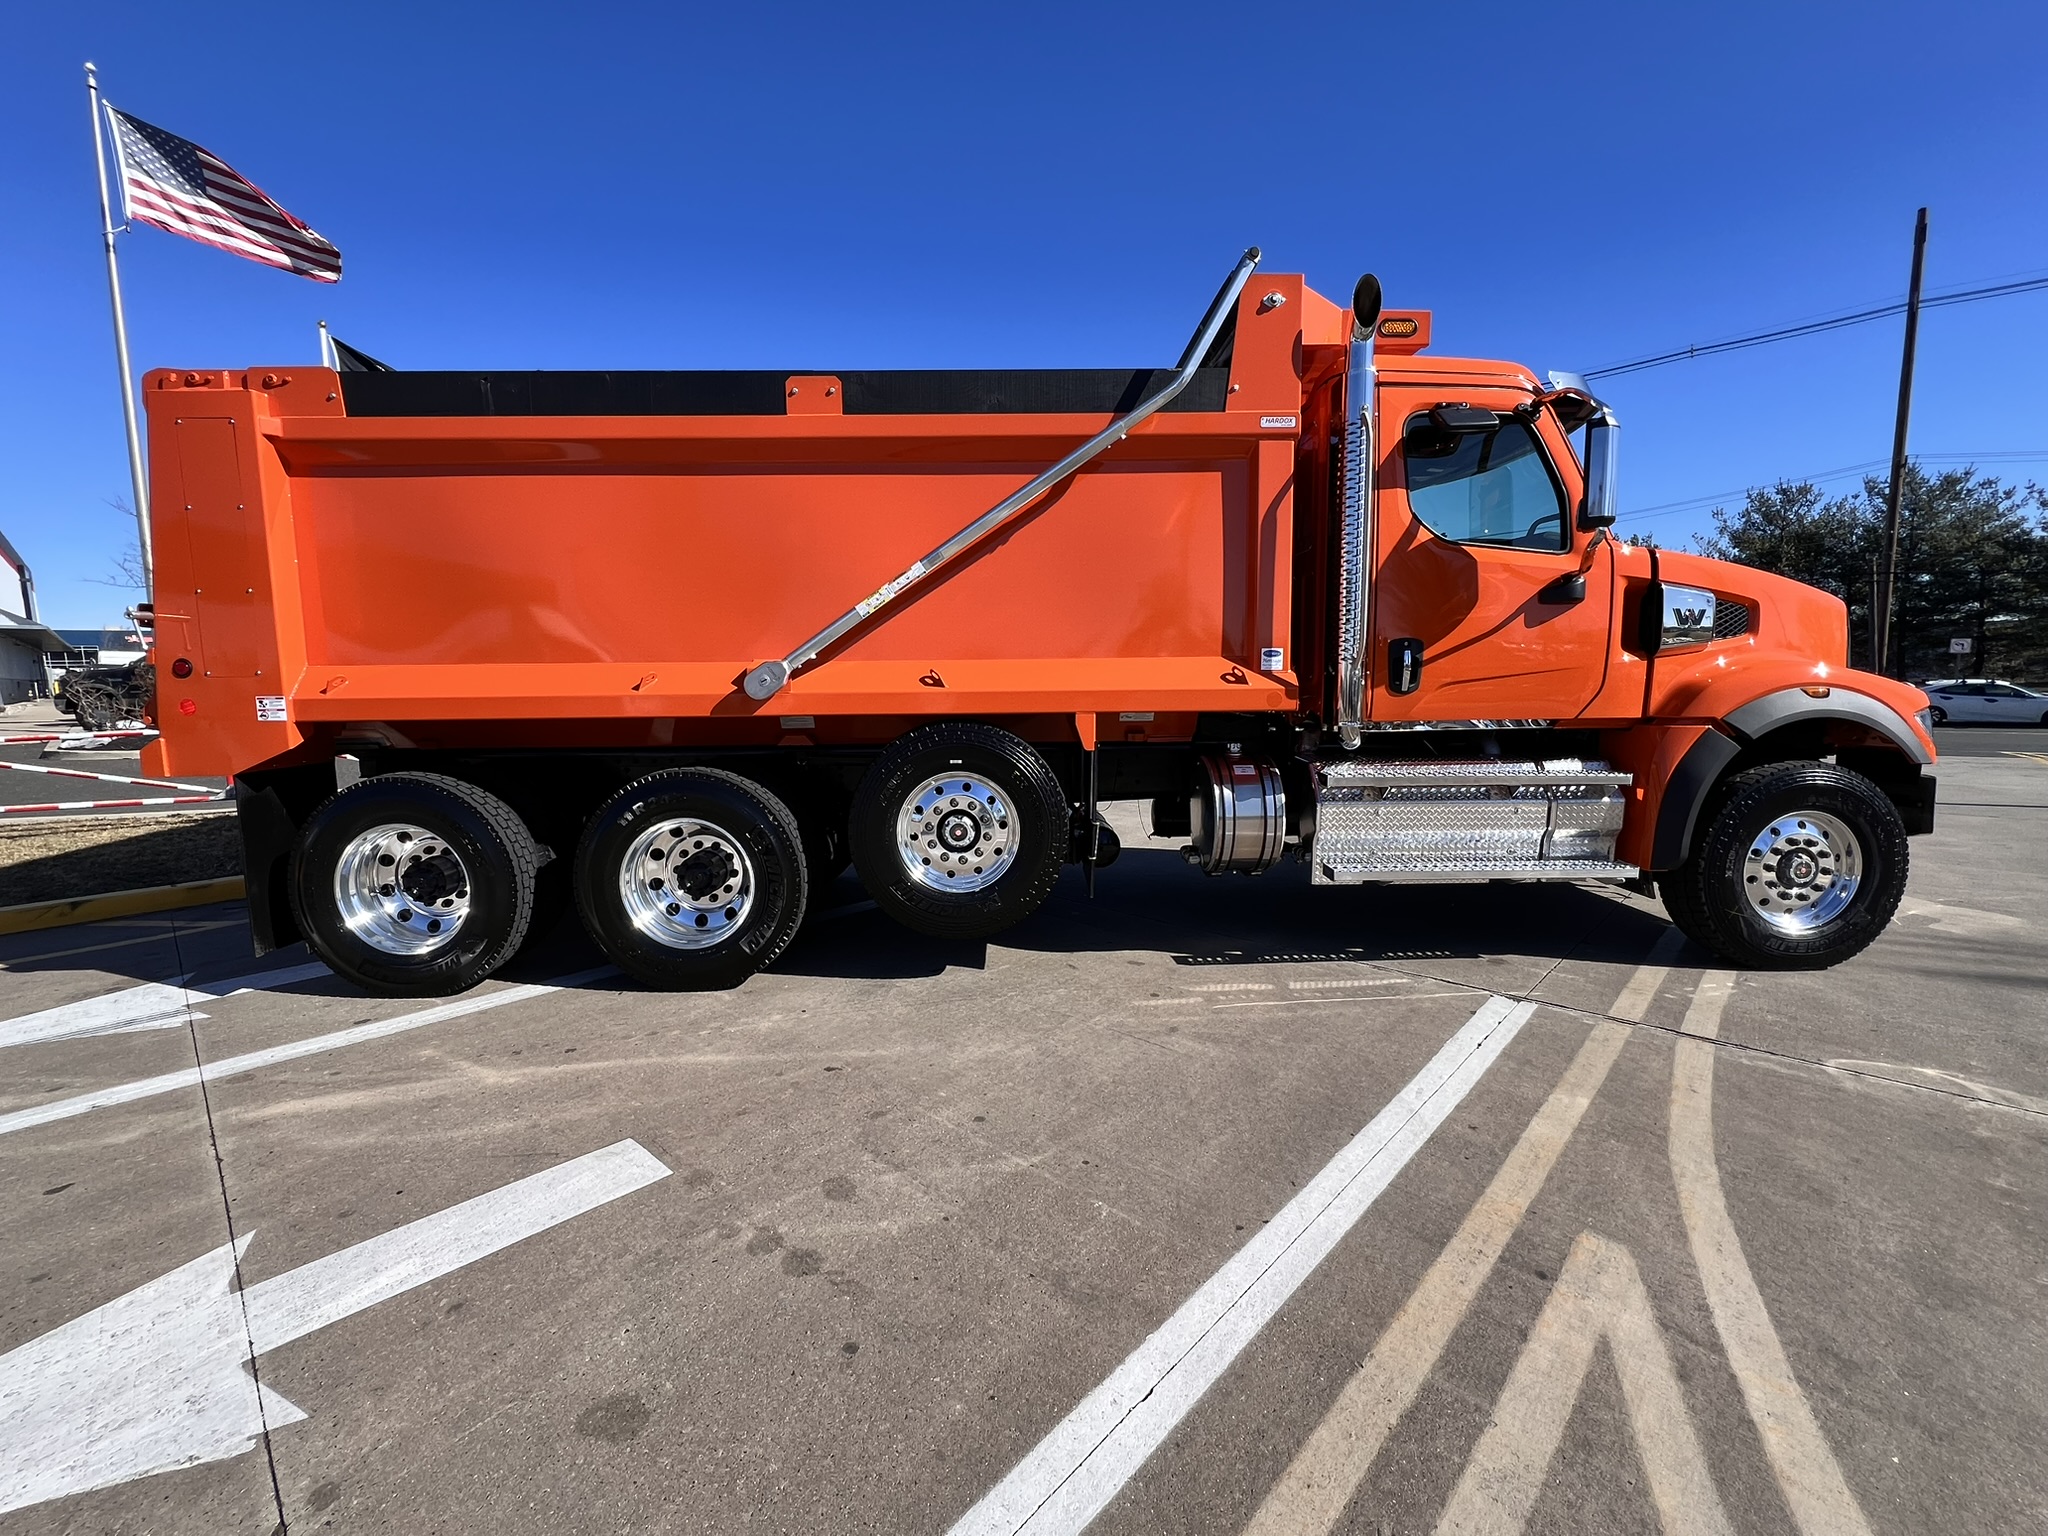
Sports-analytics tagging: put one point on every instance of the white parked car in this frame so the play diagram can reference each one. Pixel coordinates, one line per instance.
(1984, 701)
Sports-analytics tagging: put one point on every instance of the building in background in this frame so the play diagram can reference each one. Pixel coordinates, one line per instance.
(25, 641)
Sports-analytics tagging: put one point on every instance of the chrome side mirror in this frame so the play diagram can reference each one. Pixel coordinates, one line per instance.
(1577, 406)
(1603, 456)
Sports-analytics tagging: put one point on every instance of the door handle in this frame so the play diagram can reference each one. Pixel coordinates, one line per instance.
(1565, 590)
(1404, 665)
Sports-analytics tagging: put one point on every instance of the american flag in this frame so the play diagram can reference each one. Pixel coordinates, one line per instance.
(175, 185)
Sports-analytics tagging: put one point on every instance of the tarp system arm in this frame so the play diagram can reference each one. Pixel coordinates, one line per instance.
(769, 678)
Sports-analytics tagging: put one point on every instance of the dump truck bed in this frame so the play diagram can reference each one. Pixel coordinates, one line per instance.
(441, 548)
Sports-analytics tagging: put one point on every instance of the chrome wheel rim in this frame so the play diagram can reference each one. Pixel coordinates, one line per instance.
(1802, 871)
(956, 832)
(401, 889)
(687, 883)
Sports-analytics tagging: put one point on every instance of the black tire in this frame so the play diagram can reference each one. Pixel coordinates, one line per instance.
(1033, 840)
(1709, 897)
(552, 900)
(744, 912)
(825, 859)
(1938, 715)
(821, 824)
(491, 851)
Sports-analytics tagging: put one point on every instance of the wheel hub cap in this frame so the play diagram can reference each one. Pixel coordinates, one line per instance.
(1802, 871)
(956, 833)
(687, 884)
(401, 889)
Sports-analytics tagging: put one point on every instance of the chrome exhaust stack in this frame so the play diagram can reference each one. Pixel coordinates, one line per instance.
(1358, 519)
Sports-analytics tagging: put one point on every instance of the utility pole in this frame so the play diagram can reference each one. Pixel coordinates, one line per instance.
(1898, 484)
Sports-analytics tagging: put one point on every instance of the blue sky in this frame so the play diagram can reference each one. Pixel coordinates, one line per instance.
(679, 186)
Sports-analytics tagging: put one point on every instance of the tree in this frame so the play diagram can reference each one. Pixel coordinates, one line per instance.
(125, 568)
(1973, 562)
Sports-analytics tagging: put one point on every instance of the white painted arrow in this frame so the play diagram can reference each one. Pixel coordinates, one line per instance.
(153, 1005)
(157, 1379)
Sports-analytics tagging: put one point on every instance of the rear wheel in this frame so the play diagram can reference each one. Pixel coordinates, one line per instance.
(413, 884)
(1800, 866)
(692, 878)
(959, 830)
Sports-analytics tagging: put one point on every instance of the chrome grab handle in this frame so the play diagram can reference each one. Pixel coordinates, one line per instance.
(769, 678)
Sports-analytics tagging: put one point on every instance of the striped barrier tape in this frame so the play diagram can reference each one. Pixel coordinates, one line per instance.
(108, 805)
(111, 778)
(75, 739)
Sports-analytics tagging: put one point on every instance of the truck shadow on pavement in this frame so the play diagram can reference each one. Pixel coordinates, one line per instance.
(1149, 902)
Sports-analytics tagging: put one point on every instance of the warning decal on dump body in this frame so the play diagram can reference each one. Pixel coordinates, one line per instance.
(891, 589)
(270, 706)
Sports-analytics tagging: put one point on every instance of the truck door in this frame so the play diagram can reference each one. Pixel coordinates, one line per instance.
(1485, 606)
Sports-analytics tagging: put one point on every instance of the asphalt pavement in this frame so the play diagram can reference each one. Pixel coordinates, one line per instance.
(1206, 1205)
(67, 782)
(1989, 741)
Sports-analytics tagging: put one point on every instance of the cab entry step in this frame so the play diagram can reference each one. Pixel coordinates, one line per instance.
(1486, 819)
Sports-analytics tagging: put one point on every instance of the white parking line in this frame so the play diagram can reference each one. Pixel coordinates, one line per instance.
(1312, 1493)
(165, 935)
(153, 1005)
(1079, 1467)
(1807, 1472)
(189, 1077)
(1599, 1295)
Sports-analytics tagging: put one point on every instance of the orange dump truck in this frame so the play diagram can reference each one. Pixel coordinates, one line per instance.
(476, 644)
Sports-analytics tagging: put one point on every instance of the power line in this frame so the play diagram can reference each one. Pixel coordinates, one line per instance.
(1847, 471)
(1815, 327)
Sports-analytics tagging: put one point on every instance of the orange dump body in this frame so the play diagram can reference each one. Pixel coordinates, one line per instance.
(323, 561)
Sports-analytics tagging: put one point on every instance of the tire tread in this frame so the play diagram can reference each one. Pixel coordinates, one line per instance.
(1708, 917)
(501, 821)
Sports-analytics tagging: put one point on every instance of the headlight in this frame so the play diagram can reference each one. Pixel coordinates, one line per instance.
(1926, 719)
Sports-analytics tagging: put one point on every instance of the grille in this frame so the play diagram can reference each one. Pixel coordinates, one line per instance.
(1730, 618)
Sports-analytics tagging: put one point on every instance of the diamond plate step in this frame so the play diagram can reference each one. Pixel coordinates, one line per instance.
(1393, 870)
(1483, 820)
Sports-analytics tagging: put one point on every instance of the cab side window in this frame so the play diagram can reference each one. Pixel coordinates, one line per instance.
(1483, 484)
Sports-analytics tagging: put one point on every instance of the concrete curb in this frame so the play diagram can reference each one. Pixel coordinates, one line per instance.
(34, 915)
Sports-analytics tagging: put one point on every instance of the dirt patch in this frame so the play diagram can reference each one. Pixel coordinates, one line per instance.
(59, 859)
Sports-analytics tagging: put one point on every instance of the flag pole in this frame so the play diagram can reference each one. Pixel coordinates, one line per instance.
(327, 359)
(107, 231)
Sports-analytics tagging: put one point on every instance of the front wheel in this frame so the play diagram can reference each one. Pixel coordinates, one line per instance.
(691, 878)
(959, 830)
(1938, 715)
(1800, 866)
